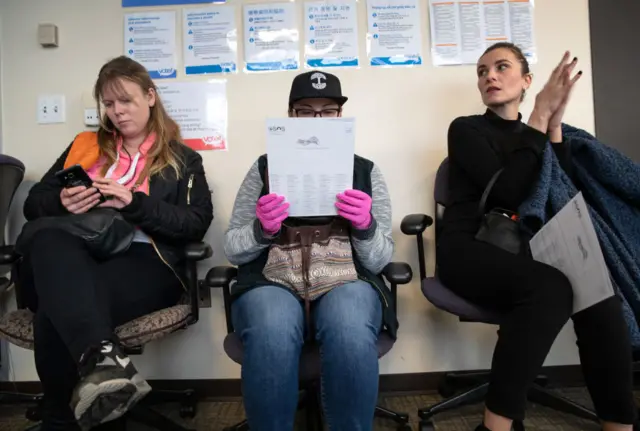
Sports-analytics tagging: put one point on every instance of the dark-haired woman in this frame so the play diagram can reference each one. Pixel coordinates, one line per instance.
(536, 299)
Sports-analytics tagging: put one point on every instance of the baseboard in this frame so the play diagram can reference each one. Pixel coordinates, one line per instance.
(559, 376)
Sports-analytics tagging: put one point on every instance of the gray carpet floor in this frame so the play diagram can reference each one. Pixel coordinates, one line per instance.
(215, 415)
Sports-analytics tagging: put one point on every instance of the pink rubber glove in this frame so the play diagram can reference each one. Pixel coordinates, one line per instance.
(271, 211)
(355, 206)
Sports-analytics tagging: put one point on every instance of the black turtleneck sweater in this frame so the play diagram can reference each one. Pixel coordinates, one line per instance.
(479, 146)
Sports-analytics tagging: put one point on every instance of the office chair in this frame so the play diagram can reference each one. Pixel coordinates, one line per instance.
(222, 276)
(445, 299)
(17, 328)
(11, 175)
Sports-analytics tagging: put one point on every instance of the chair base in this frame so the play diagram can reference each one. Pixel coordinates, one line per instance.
(537, 395)
(142, 413)
(310, 401)
(150, 418)
(19, 398)
(187, 399)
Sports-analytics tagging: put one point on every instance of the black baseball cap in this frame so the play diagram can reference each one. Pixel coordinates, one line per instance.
(316, 85)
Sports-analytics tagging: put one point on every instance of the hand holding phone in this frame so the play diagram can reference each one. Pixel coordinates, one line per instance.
(78, 200)
(78, 195)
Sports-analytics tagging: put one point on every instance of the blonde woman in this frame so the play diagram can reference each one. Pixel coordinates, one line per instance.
(136, 161)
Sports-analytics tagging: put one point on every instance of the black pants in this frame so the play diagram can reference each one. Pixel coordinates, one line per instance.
(79, 301)
(536, 300)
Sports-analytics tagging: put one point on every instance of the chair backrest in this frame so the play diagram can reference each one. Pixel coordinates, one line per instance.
(441, 194)
(11, 175)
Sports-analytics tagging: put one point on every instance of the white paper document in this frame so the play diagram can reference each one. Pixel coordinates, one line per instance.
(200, 109)
(569, 243)
(310, 162)
(150, 39)
(331, 34)
(210, 40)
(271, 37)
(394, 37)
(462, 29)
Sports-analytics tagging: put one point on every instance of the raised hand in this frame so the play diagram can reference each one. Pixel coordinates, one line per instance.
(554, 96)
(555, 122)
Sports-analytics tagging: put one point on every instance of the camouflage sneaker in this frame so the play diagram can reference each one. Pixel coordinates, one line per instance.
(107, 390)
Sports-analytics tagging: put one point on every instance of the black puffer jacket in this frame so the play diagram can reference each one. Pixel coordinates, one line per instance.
(176, 211)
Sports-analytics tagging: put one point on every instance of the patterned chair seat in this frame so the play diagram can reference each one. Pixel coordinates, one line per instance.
(17, 326)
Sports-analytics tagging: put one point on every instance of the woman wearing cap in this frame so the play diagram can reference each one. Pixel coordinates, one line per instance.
(273, 319)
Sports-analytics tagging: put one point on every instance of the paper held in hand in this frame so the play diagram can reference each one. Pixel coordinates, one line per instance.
(569, 243)
(310, 162)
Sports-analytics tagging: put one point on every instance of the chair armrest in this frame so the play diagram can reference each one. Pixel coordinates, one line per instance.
(220, 276)
(197, 251)
(397, 273)
(415, 224)
(8, 256)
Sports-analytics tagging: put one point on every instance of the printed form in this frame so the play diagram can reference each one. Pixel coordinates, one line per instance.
(569, 243)
(310, 162)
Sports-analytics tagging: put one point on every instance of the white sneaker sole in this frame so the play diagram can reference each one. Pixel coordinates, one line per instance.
(108, 399)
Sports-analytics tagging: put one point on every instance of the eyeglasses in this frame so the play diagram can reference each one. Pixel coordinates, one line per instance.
(311, 113)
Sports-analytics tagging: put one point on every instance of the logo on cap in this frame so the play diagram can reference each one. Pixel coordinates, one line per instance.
(319, 78)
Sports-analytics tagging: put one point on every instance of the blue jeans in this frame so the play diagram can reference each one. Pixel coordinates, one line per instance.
(347, 320)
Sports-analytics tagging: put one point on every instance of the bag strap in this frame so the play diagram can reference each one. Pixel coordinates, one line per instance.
(487, 191)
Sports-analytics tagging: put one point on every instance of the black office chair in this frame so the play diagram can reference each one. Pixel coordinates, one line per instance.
(222, 276)
(11, 176)
(17, 328)
(447, 300)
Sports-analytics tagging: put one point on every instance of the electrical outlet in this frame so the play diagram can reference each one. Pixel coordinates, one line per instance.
(91, 117)
(51, 109)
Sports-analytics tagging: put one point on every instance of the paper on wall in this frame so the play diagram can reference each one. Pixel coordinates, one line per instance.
(271, 37)
(331, 34)
(394, 36)
(462, 29)
(210, 40)
(200, 109)
(569, 243)
(150, 39)
(148, 3)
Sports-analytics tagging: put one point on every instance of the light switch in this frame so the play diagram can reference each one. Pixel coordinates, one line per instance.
(51, 109)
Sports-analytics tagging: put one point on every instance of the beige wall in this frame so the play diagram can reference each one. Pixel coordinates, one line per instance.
(402, 118)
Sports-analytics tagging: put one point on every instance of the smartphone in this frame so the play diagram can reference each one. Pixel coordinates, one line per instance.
(75, 176)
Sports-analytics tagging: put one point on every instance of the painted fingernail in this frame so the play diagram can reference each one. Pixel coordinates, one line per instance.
(580, 73)
(575, 59)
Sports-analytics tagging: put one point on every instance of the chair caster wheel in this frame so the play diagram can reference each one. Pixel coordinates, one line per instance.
(188, 411)
(445, 390)
(404, 417)
(427, 426)
(34, 414)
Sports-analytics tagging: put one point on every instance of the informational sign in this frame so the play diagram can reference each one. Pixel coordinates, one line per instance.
(394, 37)
(462, 29)
(331, 34)
(271, 37)
(147, 3)
(210, 40)
(200, 109)
(150, 39)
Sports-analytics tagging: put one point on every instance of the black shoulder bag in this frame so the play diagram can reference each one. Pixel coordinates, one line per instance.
(500, 227)
(104, 231)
